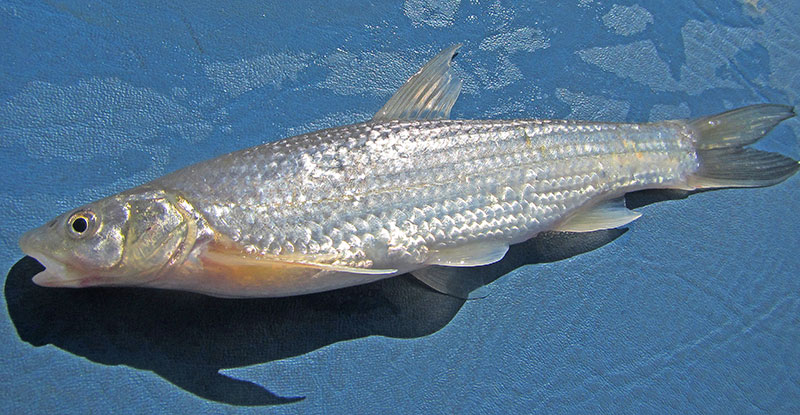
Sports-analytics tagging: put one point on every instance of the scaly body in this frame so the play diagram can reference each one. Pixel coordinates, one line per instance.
(387, 195)
(353, 204)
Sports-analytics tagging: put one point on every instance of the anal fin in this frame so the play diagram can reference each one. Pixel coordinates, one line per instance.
(606, 215)
(456, 282)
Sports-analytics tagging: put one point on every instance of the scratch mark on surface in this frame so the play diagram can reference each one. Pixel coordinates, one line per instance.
(192, 34)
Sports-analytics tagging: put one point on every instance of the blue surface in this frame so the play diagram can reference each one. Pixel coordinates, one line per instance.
(693, 309)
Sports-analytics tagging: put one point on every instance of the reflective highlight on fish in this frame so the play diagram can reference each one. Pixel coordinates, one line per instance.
(410, 190)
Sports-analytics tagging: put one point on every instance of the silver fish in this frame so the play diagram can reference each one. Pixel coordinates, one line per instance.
(408, 191)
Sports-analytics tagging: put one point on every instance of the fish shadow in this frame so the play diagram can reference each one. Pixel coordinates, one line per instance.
(188, 338)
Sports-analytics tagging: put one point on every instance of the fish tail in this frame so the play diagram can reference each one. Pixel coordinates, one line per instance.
(724, 160)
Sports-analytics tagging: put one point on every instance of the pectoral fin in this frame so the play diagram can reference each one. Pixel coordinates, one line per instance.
(237, 259)
(428, 95)
(607, 215)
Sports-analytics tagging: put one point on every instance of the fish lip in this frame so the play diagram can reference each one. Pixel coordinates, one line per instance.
(52, 279)
(53, 274)
(56, 274)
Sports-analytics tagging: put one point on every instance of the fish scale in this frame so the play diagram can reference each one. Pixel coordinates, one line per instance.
(331, 193)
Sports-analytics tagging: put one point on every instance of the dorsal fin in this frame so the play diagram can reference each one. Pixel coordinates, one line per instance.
(428, 95)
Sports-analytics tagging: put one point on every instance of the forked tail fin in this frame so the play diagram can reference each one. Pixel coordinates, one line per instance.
(724, 162)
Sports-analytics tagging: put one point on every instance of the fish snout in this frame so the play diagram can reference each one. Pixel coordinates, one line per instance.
(29, 241)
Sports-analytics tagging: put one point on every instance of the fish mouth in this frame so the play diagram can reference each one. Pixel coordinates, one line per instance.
(55, 274)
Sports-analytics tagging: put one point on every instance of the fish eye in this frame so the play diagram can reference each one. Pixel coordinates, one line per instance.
(81, 223)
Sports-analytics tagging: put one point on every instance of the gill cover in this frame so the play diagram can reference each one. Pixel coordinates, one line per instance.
(160, 232)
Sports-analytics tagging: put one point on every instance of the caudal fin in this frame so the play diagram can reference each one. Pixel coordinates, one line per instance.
(724, 162)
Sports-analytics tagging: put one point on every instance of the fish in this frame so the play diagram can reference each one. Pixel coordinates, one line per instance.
(409, 191)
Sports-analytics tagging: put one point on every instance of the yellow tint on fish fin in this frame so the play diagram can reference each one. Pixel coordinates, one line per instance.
(427, 95)
(606, 215)
(239, 259)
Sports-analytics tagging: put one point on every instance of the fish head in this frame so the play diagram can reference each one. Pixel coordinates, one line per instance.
(125, 239)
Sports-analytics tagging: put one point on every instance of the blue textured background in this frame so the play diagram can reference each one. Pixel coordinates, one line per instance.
(693, 309)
